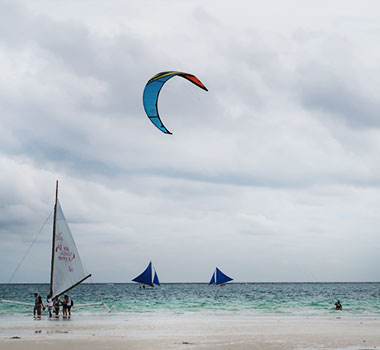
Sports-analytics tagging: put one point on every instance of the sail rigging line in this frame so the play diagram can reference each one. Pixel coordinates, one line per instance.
(30, 246)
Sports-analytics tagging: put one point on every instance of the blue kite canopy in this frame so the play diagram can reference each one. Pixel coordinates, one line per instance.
(152, 91)
(146, 277)
(218, 277)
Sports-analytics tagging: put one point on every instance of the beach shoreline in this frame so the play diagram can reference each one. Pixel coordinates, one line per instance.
(194, 331)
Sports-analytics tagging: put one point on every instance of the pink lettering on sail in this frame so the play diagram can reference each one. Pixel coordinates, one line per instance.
(59, 240)
(64, 252)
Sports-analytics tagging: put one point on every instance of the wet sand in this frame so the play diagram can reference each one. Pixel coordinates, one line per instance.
(193, 332)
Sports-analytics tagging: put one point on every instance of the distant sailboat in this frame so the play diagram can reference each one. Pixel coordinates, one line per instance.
(147, 277)
(66, 270)
(218, 278)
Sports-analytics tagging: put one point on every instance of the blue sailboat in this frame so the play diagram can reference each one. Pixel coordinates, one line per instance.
(147, 278)
(218, 278)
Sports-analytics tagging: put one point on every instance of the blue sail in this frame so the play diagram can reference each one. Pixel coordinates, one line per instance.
(212, 281)
(155, 279)
(145, 277)
(221, 277)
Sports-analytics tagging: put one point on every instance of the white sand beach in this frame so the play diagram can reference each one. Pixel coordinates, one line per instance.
(193, 332)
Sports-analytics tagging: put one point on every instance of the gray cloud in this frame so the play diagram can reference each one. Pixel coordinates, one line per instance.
(272, 168)
(340, 97)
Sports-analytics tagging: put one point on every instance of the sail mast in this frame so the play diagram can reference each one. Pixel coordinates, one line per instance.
(53, 240)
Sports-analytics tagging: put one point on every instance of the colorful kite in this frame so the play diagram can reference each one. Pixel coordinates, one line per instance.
(152, 90)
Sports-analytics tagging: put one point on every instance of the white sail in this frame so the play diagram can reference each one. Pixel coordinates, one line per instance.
(67, 266)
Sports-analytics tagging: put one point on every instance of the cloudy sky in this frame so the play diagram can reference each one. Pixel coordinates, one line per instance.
(272, 175)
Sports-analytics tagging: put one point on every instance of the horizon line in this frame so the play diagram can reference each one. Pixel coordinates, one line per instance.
(234, 282)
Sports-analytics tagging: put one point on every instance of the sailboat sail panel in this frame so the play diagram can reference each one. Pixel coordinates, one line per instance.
(155, 279)
(212, 281)
(145, 277)
(221, 277)
(68, 269)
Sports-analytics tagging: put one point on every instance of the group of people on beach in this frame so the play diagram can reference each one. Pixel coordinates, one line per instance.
(53, 305)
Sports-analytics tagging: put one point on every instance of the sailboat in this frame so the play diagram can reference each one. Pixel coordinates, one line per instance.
(218, 278)
(148, 278)
(66, 270)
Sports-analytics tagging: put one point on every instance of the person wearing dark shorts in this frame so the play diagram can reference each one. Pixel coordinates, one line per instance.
(68, 302)
(64, 306)
(37, 306)
(56, 304)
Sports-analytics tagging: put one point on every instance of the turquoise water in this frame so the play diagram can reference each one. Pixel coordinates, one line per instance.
(234, 298)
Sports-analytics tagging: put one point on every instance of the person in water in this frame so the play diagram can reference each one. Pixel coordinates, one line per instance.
(338, 305)
(56, 304)
(69, 304)
(64, 307)
(38, 305)
(49, 305)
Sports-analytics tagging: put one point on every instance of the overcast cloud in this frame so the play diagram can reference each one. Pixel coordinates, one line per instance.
(272, 175)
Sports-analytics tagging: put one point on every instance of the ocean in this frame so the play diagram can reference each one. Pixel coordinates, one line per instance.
(258, 299)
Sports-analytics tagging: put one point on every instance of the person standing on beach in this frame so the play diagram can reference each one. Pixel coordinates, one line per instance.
(41, 307)
(64, 306)
(49, 305)
(56, 304)
(69, 304)
(38, 305)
